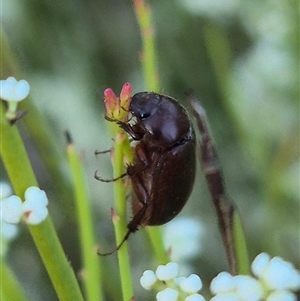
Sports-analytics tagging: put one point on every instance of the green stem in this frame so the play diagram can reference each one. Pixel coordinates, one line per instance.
(91, 275)
(10, 288)
(240, 246)
(143, 14)
(120, 221)
(20, 172)
(157, 244)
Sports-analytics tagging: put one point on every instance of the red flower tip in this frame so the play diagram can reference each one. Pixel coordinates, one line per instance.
(110, 100)
(125, 96)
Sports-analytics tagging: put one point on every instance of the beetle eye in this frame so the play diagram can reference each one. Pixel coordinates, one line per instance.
(144, 116)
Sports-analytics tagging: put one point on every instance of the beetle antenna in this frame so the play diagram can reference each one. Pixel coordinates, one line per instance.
(118, 247)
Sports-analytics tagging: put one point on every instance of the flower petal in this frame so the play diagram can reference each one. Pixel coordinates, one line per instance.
(168, 294)
(36, 194)
(191, 284)
(13, 90)
(11, 209)
(260, 264)
(148, 279)
(36, 216)
(222, 283)
(167, 272)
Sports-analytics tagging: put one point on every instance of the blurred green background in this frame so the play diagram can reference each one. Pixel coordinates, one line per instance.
(240, 58)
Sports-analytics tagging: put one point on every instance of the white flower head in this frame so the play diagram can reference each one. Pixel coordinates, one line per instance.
(11, 209)
(13, 90)
(34, 193)
(222, 283)
(260, 264)
(8, 231)
(167, 272)
(194, 297)
(33, 211)
(148, 279)
(168, 294)
(248, 288)
(5, 190)
(174, 287)
(281, 295)
(191, 284)
(34, 207)
(281, 275)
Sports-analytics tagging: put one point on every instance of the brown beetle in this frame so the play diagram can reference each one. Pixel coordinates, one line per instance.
(164, 165)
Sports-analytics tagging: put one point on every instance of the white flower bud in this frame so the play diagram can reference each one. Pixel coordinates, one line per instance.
(167, 272)
(148, 279)
(260, 264)
(222, 283)
(168, 294)
(11, 209)
(191, 284)
(281, 295)
(13, 90)
(281, 275)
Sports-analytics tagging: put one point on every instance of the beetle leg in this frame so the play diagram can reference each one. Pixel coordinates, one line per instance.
(130, 130)
(109, 180)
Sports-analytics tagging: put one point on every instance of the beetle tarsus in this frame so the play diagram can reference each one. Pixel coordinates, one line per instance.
(109, 180)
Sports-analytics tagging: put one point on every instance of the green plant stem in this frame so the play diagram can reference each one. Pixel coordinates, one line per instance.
(20, 172)
(10, 288)
(243, 265)
(158, 246)
(120, 220)
(143, 14)
(91, 273)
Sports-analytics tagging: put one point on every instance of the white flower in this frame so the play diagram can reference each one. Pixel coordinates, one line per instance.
(35, 193)
(260, 264)
(168, 294)
(13, 90)
(34, 207)
(223, 283)
(281, 275)
(175, 288)
(191, 284)
(276, 280)
(148, 279)
(8, 231)
(281, 295)
(33, 211)
(194, 297)
(5, 190)
(248, 288)
(167, 272)
(11, 209)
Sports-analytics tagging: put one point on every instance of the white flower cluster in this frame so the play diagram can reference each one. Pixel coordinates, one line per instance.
(170, 286)
(33, 210)
(275, 280)
(13, 91)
